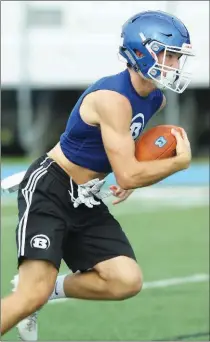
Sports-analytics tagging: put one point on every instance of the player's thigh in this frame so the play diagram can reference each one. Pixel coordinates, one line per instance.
(42, 239)
(41, 229)
(102, 239)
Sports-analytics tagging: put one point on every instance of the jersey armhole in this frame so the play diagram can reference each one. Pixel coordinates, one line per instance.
(159, 98)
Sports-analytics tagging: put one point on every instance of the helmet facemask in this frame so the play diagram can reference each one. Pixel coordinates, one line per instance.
(175, 79)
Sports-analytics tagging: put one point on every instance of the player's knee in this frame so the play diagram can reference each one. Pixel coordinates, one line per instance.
(36, 283)
(40, 295)
(35, 292)
(128, 285)
(133, 284)
(34, 297)
(123, 276)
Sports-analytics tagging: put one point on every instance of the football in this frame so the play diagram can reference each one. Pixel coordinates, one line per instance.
(156, 143)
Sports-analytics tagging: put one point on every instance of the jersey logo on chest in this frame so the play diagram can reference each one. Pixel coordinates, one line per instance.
(137, 125)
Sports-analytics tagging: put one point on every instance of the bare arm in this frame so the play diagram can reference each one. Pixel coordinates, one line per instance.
(114, 117)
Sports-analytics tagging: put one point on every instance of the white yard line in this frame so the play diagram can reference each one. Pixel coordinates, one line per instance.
(196, 278)
(163, 283)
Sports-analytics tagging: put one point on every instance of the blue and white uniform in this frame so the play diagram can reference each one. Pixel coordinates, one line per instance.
(82, 143)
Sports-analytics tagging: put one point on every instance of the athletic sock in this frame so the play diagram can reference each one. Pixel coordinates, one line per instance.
(58, 291)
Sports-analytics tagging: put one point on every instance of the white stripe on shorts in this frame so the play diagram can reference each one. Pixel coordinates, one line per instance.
(28, 194)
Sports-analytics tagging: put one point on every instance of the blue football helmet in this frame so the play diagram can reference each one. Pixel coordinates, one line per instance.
(149, 33)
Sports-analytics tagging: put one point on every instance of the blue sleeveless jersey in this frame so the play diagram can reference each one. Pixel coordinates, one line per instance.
(82, 144)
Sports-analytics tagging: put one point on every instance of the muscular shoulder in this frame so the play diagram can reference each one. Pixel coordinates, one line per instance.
(110, 98)
(106, 105)
(111, 105)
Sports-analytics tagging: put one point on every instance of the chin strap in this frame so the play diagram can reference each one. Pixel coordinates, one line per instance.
(166, 81)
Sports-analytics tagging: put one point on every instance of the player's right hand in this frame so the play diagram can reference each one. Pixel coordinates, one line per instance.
(183, 149)
(120, 193)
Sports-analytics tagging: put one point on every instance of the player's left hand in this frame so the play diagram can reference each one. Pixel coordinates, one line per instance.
(121, 194)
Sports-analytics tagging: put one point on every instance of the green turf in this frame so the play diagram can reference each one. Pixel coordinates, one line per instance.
(168, 243)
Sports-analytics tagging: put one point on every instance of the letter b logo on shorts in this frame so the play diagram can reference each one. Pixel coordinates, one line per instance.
(40, 241)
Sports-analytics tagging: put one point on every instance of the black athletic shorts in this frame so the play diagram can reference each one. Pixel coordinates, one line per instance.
(51, 229)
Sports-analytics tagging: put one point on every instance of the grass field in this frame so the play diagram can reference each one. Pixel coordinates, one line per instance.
(170, 235)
